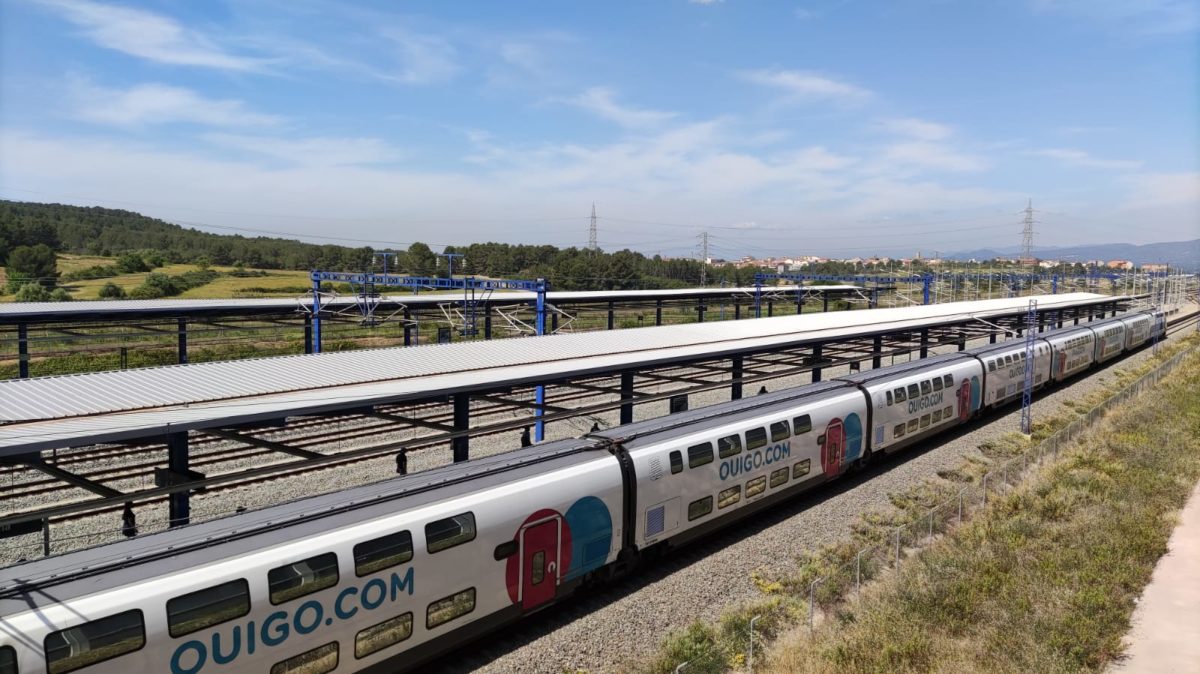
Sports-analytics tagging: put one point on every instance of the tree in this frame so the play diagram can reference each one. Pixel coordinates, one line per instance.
(32, 264)
(421, 260)
(112, 291)
(131, 263)
(60, 295)
(33, 292)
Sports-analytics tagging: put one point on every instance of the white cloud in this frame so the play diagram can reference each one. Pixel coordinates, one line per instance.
(706, 2)
(929, 155)
(1151, 190)
(311, 152)
(1081, 158)
(160, 104)
(149, 36)
(804, 85)
(916, 128)
(1144, 16)
(804, 14)
(601, 101)
(425, 59)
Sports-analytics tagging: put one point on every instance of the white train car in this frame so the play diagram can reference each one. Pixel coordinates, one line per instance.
(1110, 339)
(915, 400)
(1073, 350)
(699, 469)
(1005, 368)
(376, 579)
(1138, 329)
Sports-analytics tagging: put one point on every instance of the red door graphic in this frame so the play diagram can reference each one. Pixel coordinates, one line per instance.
(539, 562)
(1062, 363)
(835, 444)
(964, 400)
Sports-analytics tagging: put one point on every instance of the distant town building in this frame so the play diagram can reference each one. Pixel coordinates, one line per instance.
(1120, 264)
(1154, 266)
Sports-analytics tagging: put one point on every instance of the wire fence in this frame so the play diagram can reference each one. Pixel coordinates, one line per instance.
(824, 592)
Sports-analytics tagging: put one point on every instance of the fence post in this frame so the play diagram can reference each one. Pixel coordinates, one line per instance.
(931, 523)
(985, 491)
(812, 602)
(898, 546)
(960, 503)
(681, 666)
(858, 571)
(45, 536)
(750, 659)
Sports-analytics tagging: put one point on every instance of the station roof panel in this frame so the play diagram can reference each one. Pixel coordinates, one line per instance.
(82, 409)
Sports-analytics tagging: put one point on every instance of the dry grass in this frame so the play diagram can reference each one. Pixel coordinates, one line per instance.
(1043, 581)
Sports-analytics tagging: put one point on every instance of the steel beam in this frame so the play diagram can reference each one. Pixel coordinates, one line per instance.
(181, 327)
(816, 359)
(462, 422)
(266, 444)
(71, 478)
(611, 310)
(626, 397)
(658, 312)
(877, 348)
(22, 350)
(179, 507)
(412, 421)
(735, 389)
(924, 342)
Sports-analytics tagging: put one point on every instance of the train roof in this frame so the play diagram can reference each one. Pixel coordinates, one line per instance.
(639, 434)
(902, 369)
(116, 564)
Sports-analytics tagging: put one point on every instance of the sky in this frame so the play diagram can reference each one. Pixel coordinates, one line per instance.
(830, 127)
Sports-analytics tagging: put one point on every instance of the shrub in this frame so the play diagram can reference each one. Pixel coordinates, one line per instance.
(112, 291)
(33, 292)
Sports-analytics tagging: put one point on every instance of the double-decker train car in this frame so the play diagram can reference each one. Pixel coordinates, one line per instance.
(1005, 364)
(387, 576)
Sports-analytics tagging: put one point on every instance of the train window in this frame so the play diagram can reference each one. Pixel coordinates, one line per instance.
(204, 608)
(96, 641)
(800, 469)
(900, 395)
(537, 567)
(699, 508)
(947, 413)
(317, 661)
(8, 660)
(898, 431)
(779, 477)
(937, 416)
(925, 421)
(912, 425)
(1008, 360)
(914, 391)
(676, 462)
(926, 388)
(889, 397)
(802, 424)
(937, 383)
(446, 609)
(991, 366)
(780, 431)
(504, 550)
(755, 438)
(380, 553)
(728, 497)
(303, 577)
(387, 633)
(698, 455)
(449, 532)
(756, 486)
(729, 445)
(948, 380)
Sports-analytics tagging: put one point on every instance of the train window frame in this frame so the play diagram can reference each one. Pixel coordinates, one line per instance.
(705, 504)
(992, 365)
(900, 395)
(756, 438)
(676, 459)
(172, 624)
(775, 481)
(925, 420)
(365, 568)
(937, 383)
(802, 424)
(801, 468)
(141, 621)
(281, 666)
(926, 387)
(730, 445)
(429, 624)
(756, 486)
(888, 395)
(948, 380)
(898, 431)
(936, 415)
(780, 430)
(360, 635)
(912, 425)
(277, 596)
(700, 455)
(505, 550)
(728, 497)
(914, 391)
(444, 542)
(947, 412)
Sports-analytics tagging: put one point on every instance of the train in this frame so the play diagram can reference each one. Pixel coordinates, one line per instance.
(389, 576)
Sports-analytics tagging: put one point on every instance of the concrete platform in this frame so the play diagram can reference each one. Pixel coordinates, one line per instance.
(1166, 624)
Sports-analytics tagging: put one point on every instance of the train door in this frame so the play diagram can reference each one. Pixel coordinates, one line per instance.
(964, 400)
(539, 561)
(834, 448)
